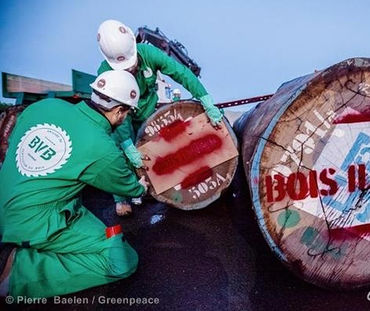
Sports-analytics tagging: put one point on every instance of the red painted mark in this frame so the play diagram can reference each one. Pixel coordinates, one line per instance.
(313, 186)
(350, 232)
(194, 151)
(362, 176)
(353, 117)
(112, 231)
(299, 186)
(269, 188)
(351, 178)
(173, 130)
(196, 177)
(326, 180)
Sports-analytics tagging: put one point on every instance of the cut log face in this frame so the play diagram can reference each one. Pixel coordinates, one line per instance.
(8, 119)
(190, 161)
(308, 174)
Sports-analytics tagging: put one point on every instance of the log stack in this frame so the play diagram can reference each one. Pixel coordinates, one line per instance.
(7, 122)
(306, 155)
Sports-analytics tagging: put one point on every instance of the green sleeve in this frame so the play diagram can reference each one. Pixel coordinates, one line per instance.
(123, 131)
(104, 66)
(114, 176)
(178, 72)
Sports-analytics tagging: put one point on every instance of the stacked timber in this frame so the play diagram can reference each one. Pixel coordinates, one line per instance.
(189, 162)
(306, 155)
(7, 123)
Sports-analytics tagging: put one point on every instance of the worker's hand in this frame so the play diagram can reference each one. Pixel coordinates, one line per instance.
(145, 158)
(132, 153)
(144, 183)
(123, 209)
(213, 113)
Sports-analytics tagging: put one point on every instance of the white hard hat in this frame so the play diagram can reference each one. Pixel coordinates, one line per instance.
(118, 44)
(119, 86)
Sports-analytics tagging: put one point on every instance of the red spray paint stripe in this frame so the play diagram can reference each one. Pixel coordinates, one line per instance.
(194, 151)
(112, 231)
(196, 177)
(173, 130)
(350, 232)
(362, 176)
(353, 118)
(351, 178)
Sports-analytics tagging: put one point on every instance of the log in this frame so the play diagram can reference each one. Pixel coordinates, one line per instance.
(8, 120)
(306, 156)
(190, 162)
(19, 84)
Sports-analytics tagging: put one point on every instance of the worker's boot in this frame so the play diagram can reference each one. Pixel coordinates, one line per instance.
(7, 252)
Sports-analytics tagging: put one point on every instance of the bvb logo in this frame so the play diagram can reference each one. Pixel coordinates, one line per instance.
(43, 149)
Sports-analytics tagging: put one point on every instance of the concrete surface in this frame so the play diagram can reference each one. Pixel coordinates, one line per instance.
(210, 259)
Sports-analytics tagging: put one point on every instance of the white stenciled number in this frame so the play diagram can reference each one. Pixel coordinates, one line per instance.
(164, 120)
(209, 184)
(195, 192)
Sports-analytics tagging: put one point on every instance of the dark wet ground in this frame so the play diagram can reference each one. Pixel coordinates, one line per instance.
(210, 259)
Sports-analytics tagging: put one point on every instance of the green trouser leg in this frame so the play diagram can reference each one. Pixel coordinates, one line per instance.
(77, 257)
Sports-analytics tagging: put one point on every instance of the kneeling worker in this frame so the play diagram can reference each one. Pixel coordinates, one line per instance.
(57, 148)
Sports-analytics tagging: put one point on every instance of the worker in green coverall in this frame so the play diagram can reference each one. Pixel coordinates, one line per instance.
(57, 148)
(118, 46)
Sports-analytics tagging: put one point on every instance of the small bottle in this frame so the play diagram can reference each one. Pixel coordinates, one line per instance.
(176, 95)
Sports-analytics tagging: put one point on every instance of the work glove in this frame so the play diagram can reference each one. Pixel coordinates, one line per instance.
(132, 153)
(213, 113)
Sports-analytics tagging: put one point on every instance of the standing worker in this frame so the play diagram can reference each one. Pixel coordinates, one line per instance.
(55, 150)
(118, 46)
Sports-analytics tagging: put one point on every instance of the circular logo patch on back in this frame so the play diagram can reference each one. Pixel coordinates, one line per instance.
(43, 149)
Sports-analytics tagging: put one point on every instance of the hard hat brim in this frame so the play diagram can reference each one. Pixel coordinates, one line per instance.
(114, 102)
(126, 64)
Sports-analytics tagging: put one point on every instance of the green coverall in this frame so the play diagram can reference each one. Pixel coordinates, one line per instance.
(151, 59)
(55, 149)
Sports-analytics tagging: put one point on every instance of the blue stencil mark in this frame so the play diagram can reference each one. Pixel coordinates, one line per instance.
(356, 155)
